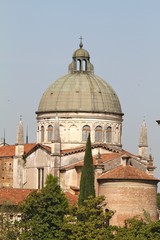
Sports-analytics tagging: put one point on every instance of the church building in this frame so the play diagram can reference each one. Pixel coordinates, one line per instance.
(73, 106)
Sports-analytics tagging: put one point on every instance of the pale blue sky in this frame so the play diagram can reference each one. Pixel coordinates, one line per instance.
(37, 39)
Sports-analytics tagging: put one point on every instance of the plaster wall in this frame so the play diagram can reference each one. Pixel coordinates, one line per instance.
(71, 125)
(37, 160)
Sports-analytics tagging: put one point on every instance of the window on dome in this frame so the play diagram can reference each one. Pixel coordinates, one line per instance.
(84, 65)
(50, 132)
(85, 132)
(109, 134)
(98, 134)
(78, 65)
(42, 134)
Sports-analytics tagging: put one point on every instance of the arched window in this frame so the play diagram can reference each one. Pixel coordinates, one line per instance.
(98, 134)
(109, 134)
(79, 65)
(42, 134)
(50, 132)
(84, 65)
(85, 132)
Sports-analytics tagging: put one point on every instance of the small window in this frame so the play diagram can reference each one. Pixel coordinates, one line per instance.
(85, 132)
(84, 65)
(109, 135)
(108, 216)
(79, 65)
(40, 178)
(98, 134)
(50, 132)
(42, 134)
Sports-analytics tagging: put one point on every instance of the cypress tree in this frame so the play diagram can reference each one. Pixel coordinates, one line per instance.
(87, 178)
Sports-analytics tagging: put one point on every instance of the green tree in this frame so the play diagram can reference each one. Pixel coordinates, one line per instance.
(88, 221)
(158, 201)
(136, 229)
(87, 178)
(43, 213)
(8, 225)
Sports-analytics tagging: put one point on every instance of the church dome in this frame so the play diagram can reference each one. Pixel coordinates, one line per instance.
(81, 53)
(80, 90)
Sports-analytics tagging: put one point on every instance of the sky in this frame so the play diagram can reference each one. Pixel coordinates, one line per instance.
(38, 38)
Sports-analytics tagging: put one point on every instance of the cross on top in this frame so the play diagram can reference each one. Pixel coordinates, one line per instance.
(81, 44)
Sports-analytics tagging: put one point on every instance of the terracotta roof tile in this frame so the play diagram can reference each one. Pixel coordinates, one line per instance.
(127, 172)
(9, 151)
(73, 199)
(94, 145)
(13, 196)
(28, 147)
(103, 158)
(35, 147)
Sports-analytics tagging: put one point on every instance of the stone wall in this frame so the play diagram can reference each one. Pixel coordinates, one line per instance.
(6, 172)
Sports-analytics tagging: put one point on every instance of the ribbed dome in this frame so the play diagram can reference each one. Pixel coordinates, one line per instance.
(81, 53)
(80, 92)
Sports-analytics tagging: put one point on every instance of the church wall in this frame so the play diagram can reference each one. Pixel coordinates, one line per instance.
(69, 159)
(71, 125)
(112, 164)
(69, 179)
(129, 199)
(38, 165)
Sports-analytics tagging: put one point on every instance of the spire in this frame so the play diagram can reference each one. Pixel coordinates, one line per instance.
(27, 135)
(4, 138)
(143, 135)
(20, 137)
(143, 142)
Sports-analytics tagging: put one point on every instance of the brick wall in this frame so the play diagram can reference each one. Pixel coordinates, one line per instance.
(129, 199)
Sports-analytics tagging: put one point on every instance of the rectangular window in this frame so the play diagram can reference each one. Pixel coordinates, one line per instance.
(40, 178)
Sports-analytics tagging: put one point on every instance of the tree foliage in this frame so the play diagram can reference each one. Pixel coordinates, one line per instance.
(136, 229)
(158, 201)
(43, 213)
(87, 178)
(8, 227)
(88, 221)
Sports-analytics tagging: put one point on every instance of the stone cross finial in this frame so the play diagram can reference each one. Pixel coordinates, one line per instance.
(81, 44)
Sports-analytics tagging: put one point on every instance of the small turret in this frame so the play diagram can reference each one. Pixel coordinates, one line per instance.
(81, 61)
(18, 161)
(19, 151)
(20, 135)
(143, 142)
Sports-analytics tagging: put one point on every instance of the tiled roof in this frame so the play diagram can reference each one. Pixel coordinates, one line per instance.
(127, 172)
(73, 199)
(105, 157)
(9, 151)
(94, 145)
(28, 147)
(35, 147)
(15, 196)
